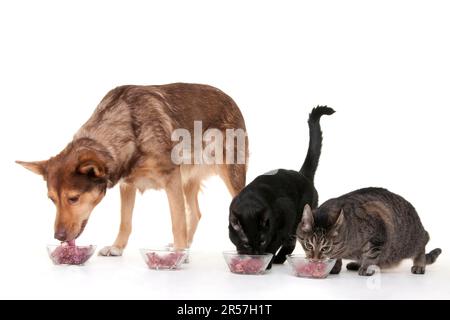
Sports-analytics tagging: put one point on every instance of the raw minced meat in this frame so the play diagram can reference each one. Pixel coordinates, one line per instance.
(163, 261)
(312, 269)
(69, 253)
(247, 266)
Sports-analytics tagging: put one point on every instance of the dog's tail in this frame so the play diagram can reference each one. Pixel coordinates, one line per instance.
(433, 255)
(311, 162)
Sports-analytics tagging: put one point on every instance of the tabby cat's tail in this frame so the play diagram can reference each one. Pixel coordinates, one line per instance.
(315, 141)
(433, 255)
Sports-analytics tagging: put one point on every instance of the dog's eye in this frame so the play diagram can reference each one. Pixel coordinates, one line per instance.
(53, 200)
(73, 200)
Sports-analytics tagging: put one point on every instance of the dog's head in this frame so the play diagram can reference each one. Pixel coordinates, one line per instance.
(250, 225)
(76, 182)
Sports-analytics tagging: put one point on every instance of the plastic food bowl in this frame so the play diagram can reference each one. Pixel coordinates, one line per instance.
(69, 253)
(165, 259)
(307, 268)
(247, 264)
(171, 248)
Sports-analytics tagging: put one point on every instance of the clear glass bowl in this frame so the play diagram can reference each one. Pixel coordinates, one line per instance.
(307, 268)
(247, 264)
(164, 259)
(66, 254)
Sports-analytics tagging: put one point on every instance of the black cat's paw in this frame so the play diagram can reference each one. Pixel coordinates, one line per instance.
(353, 266)
(417, 270)
(337, 267)
(279, 259)
(269, 266)
(335, 271)
(366, 272)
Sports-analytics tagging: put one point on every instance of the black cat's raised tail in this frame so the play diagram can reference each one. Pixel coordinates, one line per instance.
(315, 141)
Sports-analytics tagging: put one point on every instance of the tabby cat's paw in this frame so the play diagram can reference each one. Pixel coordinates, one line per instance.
(418, 270)
(366, 272)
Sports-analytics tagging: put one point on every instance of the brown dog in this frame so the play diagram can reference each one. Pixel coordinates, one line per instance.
(128, 140)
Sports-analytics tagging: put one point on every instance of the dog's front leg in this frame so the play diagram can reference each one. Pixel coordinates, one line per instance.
(127, 198)
(175, 196)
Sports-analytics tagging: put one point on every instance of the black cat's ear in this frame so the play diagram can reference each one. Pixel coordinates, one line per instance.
(234, 223)
(237, 227)
(264, 222)
(307, 222)
(338, 223)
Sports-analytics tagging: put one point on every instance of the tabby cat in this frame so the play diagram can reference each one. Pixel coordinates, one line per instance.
(370, 226)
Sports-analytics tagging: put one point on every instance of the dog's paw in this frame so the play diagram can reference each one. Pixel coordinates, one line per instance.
(171, 247)
(110, 251)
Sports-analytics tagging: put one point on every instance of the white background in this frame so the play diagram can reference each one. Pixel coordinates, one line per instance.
(383, 66)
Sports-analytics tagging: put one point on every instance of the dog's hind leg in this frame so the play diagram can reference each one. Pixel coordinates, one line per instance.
(127, 198)
(175, 195)
(191, 189)
(234, 177)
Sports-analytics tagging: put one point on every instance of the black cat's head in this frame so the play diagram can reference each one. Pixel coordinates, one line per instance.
(321, 233)
(250, 226)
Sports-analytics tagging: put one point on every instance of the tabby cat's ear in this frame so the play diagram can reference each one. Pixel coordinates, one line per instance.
(307, 223)
(339, 222)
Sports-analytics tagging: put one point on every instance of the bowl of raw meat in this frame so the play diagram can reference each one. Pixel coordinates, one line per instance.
(164, 259)
(247, 264)
(308, 268)
(68, 253)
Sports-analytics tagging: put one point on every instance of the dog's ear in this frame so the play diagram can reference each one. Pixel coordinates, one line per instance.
(38, 167)
(92, 165)
(307, 222)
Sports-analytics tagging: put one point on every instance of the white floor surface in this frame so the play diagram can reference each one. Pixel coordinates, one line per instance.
(207, 277)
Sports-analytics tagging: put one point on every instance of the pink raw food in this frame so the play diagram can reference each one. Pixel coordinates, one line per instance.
(247, 266)
(69, 253)
(313, 269)
(163, 261)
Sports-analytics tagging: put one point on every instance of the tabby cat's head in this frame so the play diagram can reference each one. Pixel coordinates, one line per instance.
(320, 234)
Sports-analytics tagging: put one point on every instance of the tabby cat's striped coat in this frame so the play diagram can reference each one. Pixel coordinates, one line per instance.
(371, 226)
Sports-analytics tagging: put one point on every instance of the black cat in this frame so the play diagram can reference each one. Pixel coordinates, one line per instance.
(265, 214)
